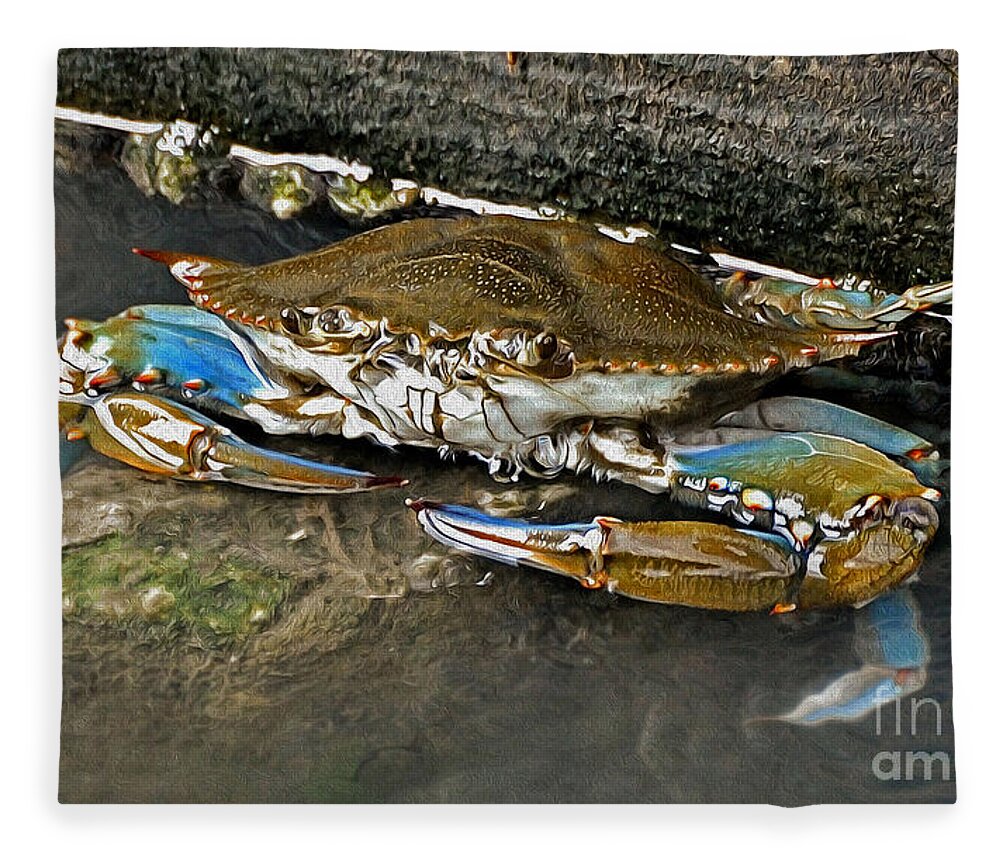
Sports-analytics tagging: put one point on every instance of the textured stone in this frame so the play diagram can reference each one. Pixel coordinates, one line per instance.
(828, 164)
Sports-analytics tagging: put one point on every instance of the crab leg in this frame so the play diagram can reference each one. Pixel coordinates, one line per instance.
(793, 484)
(797, 302)
(819, 520)
(791, 414)
(894, 650)
(697, 564)
(802, 486)
(166, 438)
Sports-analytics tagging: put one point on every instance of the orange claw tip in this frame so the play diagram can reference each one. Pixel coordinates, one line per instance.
(159, 256)
(783, 608)
(149, 376)
(931, 494)
(102, 379)
(75, 434)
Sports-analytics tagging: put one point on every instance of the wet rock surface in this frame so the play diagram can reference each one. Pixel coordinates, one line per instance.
(825, 164)
(389, 671)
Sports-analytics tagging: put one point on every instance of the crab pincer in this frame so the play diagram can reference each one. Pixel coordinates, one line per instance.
(166, 438)
(689, 563)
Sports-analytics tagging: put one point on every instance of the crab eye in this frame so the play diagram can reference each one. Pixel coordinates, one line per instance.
(291, 320)
(330, 320)
(546, 345)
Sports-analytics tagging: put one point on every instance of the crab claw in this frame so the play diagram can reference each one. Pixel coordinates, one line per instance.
(182, 348)
(572, 550)
(165, 438)
(697, 564)
(803, 486)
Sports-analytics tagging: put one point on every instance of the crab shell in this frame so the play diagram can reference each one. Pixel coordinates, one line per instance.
(550, 321)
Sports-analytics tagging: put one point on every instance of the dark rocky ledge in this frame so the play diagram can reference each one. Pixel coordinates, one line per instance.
(827, 164)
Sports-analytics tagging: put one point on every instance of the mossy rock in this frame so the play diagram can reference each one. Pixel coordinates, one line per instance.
(170, 594)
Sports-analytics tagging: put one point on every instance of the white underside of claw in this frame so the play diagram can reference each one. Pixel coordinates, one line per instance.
(511, 541)
(160, 426)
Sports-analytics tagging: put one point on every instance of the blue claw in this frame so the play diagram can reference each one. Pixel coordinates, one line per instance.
(183, 348)
(561, 549)
(166, 438)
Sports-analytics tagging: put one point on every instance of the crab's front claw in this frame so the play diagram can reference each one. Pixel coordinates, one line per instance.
(574, 550)
(166, 438)
(184, 350)
(802, 486)
(696, 564)
(699, 564)
(805, 414)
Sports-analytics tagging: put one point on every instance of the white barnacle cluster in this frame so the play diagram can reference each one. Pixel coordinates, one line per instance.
(178, 137)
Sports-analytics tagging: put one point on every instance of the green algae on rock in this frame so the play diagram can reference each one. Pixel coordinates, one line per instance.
(165, 593)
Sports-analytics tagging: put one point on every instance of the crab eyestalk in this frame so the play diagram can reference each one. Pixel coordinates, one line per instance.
(165, 438)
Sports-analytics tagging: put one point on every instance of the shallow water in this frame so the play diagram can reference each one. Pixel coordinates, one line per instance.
(393, 674)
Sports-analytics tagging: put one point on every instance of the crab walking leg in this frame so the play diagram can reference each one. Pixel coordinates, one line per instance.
(166, 438)
(705, 565)
(791, 414)
(796, 302)
(893, 647)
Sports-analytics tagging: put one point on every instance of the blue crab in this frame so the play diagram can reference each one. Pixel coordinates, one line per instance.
(539, 348)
